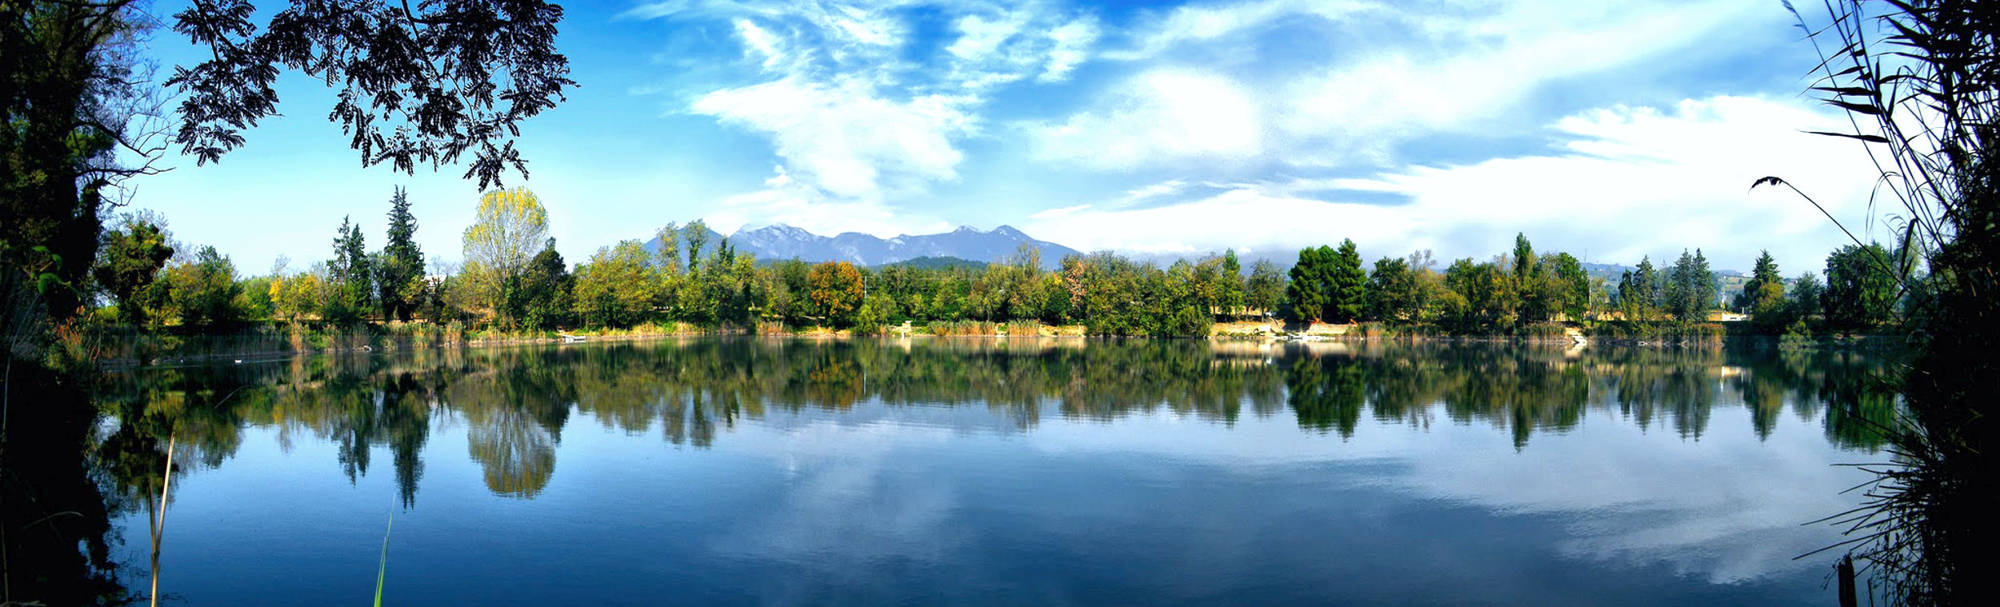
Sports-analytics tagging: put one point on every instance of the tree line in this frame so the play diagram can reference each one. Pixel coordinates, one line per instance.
(513, 279)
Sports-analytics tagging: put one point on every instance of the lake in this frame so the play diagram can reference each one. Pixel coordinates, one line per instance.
(992, 471)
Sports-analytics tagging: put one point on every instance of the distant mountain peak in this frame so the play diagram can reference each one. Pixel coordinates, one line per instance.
(775, 228)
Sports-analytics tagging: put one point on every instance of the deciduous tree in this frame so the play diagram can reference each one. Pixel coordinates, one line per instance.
(128, 262)
(836, 291)
(508, 230)
(1860, 287)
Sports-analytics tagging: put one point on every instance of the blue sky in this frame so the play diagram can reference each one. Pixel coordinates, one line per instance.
(1609, 129)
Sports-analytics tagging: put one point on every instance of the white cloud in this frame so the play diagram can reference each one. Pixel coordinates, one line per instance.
(790, 202)
(1159, 116)
(1059, 212)
(861, 113)
(1345, 98)
(1205, 23)
(1367, 106)
(1071, 45)
(1627, 182)
(760, 41)
(842, 137)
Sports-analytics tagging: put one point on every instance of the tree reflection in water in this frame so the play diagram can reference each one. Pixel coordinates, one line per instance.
(515, 402)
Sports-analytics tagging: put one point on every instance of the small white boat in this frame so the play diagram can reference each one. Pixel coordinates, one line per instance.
(572, 339)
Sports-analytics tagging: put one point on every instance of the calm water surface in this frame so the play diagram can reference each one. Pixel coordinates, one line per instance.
(744, 471)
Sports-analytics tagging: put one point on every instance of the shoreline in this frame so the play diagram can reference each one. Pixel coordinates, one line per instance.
(206, 348)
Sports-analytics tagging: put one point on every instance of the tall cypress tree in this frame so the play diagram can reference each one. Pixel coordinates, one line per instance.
(1705, 290)
(402, 262)
(1524, 258)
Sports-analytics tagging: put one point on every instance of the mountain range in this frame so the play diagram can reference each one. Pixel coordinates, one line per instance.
(967, 246)
(779, 241)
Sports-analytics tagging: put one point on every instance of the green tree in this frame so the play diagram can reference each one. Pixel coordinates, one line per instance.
(670, 248)
(203, 290)
(293, 298)
(1348, 285)
(1861, 287)
(791, 301)
(1573, 283)
(1639, 291)
(1691, 288)
(728, 280)
(696, 235)
(1803, 300)
(540, 298)
(1485, 297)
(1395, 289)
(1309, 290)
(128, 262)
(253, 298)
(1265, 289)
(874, 314)
(399, 274)
(1765, 271)
(1055, 304)
(1229, 283)
(350, 277)
(617, 287)
(1763, 296)
(1524, 258)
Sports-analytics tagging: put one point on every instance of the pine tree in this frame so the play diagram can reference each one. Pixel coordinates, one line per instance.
(401, 262)
(1639, 290)
(1306, 293)
(1524, 258)
(1347, 284)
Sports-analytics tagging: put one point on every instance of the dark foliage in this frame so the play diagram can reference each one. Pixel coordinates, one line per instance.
(424, 84)
(1921, 80)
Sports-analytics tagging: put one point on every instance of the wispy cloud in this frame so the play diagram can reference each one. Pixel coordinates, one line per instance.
(1356, 80)
(1159, 117)
(1626, 182)
(860, 111)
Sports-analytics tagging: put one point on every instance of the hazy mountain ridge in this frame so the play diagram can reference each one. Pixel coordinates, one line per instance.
(972, 246)
(779, 241)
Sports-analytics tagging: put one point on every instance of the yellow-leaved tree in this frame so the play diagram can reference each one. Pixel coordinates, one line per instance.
(511, 226)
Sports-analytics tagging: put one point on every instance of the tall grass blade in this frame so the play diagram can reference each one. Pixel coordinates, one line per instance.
(383, 572)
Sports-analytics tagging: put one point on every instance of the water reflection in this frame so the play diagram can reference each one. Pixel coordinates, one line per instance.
(514, 403)
(948, 457)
